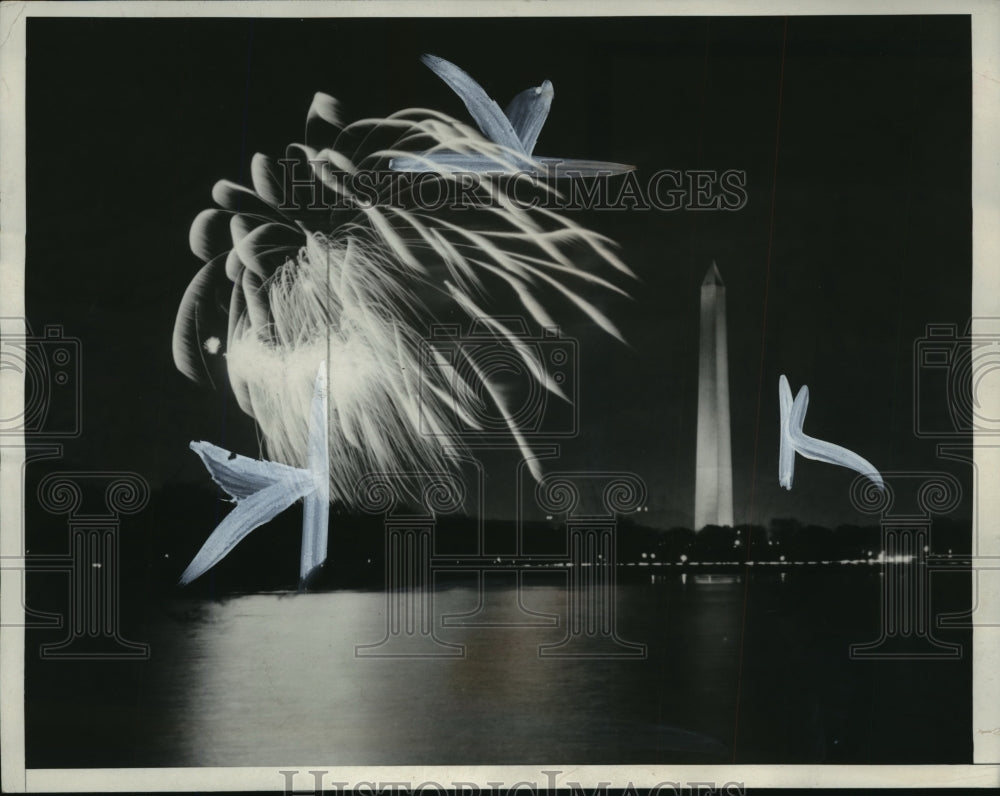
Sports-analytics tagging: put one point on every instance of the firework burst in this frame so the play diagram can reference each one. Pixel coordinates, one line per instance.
(300, 272)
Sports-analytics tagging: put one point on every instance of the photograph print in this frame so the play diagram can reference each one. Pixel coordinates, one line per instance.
(496, 390)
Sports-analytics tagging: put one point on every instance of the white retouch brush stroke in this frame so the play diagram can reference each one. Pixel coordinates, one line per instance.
(262, 490)
(794, 440)
(514, 130)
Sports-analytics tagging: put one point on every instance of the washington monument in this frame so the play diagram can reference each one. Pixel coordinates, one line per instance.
(713, 486)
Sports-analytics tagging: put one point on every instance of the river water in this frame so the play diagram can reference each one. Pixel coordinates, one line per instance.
(745, 666)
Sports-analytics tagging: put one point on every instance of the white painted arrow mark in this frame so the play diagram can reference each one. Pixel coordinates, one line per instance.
(794, 440)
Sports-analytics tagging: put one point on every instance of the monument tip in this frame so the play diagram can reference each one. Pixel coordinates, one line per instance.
(713, 277)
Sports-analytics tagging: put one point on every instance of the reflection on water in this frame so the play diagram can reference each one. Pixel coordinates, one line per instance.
(283, 671)
(757, 662)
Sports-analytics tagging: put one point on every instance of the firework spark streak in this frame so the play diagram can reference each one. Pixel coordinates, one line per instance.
(290, 284)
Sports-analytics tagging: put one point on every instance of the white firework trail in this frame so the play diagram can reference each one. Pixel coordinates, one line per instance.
(290, 283)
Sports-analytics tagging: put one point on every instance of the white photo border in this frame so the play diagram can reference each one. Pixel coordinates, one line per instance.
(984, 772)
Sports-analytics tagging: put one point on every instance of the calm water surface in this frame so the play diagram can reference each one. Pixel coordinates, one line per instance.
(748, 668)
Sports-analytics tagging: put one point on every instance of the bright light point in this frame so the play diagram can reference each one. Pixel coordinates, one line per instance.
(212, 345)
(737, 543)
(652, 555)
(927, 548)
(781, 558)
(644, 555)
(548, 516)
(683, 558)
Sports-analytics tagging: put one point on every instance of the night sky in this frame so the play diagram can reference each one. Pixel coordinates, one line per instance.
(854, 134)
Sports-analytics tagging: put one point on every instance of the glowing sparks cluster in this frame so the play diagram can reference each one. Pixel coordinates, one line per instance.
(289, 283)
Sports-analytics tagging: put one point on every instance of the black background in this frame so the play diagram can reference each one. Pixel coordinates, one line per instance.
(854, 134)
